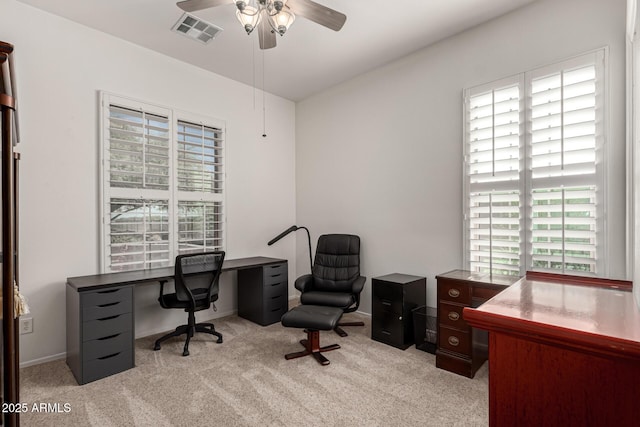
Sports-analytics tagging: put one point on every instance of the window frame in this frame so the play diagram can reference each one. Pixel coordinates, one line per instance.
(172, 194)
(598, 58)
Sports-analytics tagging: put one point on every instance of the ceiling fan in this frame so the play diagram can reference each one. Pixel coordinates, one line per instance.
(272, 16)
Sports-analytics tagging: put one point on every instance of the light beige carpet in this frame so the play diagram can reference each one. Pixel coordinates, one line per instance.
(246, 381)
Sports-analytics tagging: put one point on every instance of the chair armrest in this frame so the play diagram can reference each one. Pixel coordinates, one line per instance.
(304, 283)
(358, 284)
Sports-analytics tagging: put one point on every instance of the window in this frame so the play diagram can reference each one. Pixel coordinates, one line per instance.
(533, 170)
(162, 184)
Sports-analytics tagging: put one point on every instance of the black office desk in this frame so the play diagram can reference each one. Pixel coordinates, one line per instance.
(97, 281)
(100, 318)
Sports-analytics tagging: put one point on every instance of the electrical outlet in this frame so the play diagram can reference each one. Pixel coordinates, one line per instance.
(26, 325)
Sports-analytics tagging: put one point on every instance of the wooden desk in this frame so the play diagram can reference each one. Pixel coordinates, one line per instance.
(562, 352)
(461, 348)
(100, 318)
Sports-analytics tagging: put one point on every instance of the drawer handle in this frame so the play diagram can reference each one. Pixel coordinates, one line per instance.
(276, 284)
(454, 293)
(108, 305)
(109, 291)
(109, 356)
(276, 275)
(108, 318)
(277, 296)
(454, 341)
(386, 332)
(385, 302)
(453, 315)
(109, 337)
(275, 309)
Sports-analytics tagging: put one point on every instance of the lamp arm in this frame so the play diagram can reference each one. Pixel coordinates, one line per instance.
(292, 229)
(281, 235)
(309, 241)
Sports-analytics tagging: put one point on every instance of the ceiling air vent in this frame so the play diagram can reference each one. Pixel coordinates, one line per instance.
(196, 28)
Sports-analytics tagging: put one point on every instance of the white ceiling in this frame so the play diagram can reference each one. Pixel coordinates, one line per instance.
(309, 58)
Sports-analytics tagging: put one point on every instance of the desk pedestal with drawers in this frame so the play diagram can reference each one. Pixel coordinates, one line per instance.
(100, 332)
(100, 318)
(263, 295)
(461, 348)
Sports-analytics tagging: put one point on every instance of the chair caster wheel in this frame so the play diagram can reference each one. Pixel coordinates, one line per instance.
(185, 353)
(156, 347)
(219, 341)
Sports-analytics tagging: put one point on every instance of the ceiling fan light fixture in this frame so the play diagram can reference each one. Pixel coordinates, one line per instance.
(281, 21)
(278, 4)
(241, 4)
(249, 17)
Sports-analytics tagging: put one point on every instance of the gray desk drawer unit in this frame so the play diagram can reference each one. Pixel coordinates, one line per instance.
(99, 332)
(100, 320)
(263, 293)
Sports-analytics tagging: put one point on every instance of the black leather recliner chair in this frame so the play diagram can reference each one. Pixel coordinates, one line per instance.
(335, 280)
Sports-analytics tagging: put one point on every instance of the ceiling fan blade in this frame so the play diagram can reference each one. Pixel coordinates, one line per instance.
(265, 35)
(317, 13)
(194, 5)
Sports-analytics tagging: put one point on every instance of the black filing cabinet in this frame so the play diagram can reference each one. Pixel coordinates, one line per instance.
(263, 293)
(100, 335)
(393, 298)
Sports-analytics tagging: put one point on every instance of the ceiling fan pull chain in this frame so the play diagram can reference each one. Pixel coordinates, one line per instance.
(264, 109)
(253, 67)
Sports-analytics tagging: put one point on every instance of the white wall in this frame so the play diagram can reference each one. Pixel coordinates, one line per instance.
(61, 66)
(381, 155)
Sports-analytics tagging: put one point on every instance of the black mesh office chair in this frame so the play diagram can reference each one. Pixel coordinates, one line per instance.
(335, 280)
(196, 283)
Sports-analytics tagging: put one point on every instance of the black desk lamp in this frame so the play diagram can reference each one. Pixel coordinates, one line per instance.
(289, 230)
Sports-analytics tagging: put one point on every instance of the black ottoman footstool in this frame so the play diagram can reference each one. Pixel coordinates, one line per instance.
(313, 318)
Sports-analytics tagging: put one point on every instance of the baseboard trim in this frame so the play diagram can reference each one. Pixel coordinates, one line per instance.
(41, 360)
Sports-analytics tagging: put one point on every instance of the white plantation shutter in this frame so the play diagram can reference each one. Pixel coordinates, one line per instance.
(199, 158)
(493, 154)
(566, 139)
(138, 234)
(495, 232)
(199, 226)
(162, 184)
(564, 229)
(542, 186)
(494, 135)
(563, 123)
(138, 149)
(199, 186)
